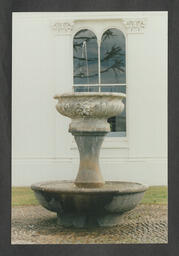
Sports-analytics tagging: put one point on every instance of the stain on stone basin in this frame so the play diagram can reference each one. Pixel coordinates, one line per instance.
(89, 201)
(82, 207)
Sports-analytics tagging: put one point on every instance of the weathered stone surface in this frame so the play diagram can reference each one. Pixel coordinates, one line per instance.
(89, 174)
(89, 201)
(90, 111)
(81, 207)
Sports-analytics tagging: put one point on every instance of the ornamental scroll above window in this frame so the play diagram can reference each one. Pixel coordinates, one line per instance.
(101, 68)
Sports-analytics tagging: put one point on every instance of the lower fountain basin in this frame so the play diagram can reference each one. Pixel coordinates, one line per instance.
(84, 207)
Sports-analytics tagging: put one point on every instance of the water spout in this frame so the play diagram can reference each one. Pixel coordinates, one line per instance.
(85, 55)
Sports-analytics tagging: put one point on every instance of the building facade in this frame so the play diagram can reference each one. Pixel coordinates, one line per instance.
(89, 51)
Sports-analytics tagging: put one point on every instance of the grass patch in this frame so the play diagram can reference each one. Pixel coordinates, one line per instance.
(22, 196)
(156, 195)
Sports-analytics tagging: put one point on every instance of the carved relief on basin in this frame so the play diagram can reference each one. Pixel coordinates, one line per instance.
(90, 111)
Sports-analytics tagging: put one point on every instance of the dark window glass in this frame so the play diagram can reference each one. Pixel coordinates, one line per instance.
(117, 123)
(86, 88)
(85, 57)
(112, 58)
(112, 68)
(115, 88)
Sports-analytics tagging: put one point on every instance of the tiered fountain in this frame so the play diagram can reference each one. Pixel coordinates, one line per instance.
(89, 200)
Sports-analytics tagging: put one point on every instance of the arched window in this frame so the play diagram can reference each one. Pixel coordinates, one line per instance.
(105, 73)
(112, 57)
(85, 58)
(113, 72)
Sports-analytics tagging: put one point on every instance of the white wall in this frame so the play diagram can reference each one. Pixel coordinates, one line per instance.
(42, 148)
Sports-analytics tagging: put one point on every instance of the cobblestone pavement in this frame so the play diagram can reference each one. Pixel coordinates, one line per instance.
(36, 225)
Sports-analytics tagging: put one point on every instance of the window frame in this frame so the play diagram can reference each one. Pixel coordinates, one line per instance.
(98, 30)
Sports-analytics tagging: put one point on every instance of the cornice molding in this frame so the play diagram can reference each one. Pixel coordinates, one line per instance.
(132, 25)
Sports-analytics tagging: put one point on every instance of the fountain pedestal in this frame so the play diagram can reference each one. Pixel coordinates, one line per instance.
(89, 201)
(89, 144)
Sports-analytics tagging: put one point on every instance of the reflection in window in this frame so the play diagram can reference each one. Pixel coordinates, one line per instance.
(112, 57)
(86, 88)
(117, 123)
(115, 88)
(112, 68)
(85, 57)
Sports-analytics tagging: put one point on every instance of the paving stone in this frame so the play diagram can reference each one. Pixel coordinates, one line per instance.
(36, 225)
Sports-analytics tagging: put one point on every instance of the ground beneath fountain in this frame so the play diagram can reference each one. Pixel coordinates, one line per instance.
(36, 225)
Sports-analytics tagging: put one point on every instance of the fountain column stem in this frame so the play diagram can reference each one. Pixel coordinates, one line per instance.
(89, 144)
(89, 113)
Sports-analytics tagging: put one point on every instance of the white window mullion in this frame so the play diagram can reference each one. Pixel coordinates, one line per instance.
(99, 73)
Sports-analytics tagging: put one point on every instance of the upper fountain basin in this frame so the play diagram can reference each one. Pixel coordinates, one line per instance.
(90, 105)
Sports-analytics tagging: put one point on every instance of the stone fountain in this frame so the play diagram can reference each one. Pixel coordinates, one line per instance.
(89, 200)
